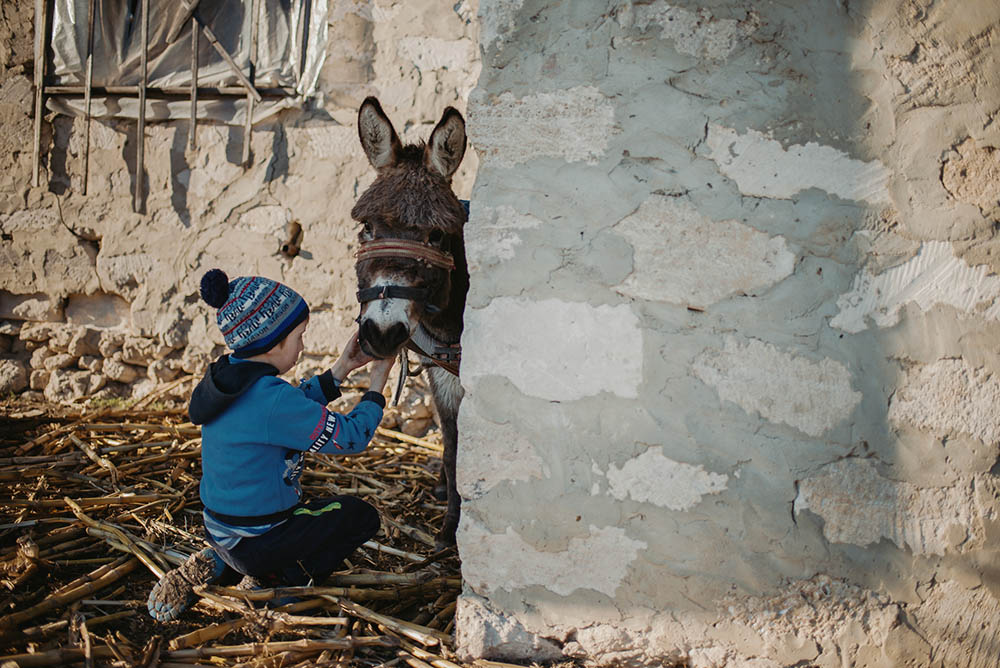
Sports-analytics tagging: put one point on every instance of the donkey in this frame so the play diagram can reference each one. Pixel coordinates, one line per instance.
(411, 267)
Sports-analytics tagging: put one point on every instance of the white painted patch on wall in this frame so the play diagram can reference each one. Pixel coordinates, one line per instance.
(782, 387)
(934, 276)
(506, 561)
(949, 396)
(492, 453)
(676, 247)
(762, 167)
(860, 507)
(554, 349)
(573, 124)
(434, 53)
(693, 33)
(491, 235)
(654, 478)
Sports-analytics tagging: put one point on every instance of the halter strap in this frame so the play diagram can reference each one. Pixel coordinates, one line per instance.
(413, 250)
(392, 292)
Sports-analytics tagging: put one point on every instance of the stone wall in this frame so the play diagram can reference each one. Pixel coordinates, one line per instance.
(97, 301)
(730, 364)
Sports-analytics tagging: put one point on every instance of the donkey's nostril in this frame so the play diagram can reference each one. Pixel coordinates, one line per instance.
(397, 335)
(382, 342)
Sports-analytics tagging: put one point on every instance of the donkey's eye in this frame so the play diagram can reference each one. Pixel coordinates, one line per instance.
(435, 237)
(366, 230)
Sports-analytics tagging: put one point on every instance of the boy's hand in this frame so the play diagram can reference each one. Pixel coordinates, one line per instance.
(380, 373)
(351, 358)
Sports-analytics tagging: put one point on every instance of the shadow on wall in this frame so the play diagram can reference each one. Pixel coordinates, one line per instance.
(906, 511)
(180, 173)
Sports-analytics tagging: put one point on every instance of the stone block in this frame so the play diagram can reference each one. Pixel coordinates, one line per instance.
(36, 307)
(115, 369)
(141, 351)
(86, 341)
(13, 377)
(111, 391)
(39, 379)
(163, 371)
(111, 342)
(91, 363)
(66, 385)
(97, 381)
(195, 361)
(39, 355)
(10, 328)
(483, 633)
(37, 331)
(59, 361)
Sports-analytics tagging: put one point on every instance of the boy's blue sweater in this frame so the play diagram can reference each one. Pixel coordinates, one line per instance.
(256, 429)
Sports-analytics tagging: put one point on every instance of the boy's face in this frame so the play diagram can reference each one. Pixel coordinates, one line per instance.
(286, 353)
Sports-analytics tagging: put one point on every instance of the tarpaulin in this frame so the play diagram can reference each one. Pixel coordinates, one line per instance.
(290, 49)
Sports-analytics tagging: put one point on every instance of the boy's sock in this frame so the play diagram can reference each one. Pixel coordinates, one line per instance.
(249, 583)
(174, 593)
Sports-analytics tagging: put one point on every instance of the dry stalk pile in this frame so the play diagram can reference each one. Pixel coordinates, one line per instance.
(96, 505)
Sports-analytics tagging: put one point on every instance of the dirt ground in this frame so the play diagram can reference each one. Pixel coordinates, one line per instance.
(96, 498)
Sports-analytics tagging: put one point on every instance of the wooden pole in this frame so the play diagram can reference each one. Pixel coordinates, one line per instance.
(213, 40)
(141, 135)
(86, 100)
(40, 16)
(248, 127)
(192, 128)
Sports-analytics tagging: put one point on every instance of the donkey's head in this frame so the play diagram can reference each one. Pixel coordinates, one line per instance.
(411, 237)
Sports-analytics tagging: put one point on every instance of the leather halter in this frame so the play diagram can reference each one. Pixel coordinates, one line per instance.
(448, 356)
(413, 250)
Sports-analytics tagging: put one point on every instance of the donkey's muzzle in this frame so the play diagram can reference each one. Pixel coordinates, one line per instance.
(382, 343)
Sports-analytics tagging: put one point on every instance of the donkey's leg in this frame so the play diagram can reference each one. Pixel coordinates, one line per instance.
(447, 398)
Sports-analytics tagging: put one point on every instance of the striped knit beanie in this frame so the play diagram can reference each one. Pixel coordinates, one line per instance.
(254, 313)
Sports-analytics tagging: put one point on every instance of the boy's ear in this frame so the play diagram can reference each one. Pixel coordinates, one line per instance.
(378, 138)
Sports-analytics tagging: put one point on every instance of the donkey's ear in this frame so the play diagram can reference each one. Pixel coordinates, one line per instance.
(446, 148)
(378, 137)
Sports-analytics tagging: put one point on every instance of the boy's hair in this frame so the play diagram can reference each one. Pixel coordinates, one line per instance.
(254, 313)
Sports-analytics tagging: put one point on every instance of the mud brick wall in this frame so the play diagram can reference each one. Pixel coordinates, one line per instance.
(98, 301)
(731, 346)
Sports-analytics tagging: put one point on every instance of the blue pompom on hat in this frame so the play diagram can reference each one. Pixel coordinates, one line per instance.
(254, 313)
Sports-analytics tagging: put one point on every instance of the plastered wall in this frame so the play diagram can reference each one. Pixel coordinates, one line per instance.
(731, 343)
(99, 302)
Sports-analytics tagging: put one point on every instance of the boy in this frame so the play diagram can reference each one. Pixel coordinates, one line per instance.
(256, 431)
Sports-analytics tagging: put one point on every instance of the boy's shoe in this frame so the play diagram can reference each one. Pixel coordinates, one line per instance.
(174, 593)
(249, 583)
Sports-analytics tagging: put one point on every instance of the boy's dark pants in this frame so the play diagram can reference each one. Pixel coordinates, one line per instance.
(309, 545)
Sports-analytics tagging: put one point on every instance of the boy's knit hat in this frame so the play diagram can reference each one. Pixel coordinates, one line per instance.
(255, 313)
